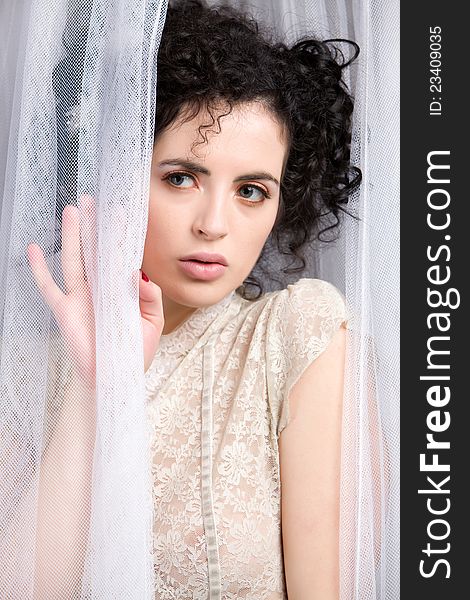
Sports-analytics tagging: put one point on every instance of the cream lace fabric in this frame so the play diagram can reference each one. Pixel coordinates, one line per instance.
(217, 401)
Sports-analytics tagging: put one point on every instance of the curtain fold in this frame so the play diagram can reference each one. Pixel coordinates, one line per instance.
(78, 86)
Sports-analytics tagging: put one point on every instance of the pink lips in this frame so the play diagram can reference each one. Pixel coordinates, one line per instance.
(202, 271)
(208, 257)
(204, 266)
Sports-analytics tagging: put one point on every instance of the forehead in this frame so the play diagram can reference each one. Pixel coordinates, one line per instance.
(248, 133)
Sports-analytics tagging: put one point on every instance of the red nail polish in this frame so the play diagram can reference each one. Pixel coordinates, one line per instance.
(144, 277)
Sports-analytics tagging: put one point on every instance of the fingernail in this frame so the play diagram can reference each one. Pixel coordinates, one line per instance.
(144, 277)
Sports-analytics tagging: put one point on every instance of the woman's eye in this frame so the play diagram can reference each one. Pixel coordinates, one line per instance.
(181, 180)
(252, 193)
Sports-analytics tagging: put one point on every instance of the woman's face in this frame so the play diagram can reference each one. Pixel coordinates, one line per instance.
(222, 199)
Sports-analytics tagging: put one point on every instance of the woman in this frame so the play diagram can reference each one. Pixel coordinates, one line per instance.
(244, 395)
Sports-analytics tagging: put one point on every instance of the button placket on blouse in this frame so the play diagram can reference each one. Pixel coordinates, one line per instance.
(207, 501)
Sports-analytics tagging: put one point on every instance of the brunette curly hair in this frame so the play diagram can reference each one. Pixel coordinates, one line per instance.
(217, 56)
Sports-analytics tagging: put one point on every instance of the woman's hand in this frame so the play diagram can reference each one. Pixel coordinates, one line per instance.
(151, 310)
(73, 310)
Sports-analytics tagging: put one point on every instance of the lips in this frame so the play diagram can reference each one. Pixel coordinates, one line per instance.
(201, 270)
(206, 257)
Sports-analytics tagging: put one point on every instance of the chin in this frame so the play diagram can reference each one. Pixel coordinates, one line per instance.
(198, 294)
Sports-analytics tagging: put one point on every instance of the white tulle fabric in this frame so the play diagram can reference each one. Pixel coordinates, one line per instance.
(218, 399)
(116, 541)
(71, 128)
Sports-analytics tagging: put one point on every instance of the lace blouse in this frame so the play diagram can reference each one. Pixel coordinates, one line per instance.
(217, 400)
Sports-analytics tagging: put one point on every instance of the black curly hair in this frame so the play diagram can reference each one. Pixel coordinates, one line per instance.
(217, 56)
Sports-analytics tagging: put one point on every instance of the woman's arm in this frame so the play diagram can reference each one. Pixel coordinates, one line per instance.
(63, 504)
(310, 453)
(65, 497)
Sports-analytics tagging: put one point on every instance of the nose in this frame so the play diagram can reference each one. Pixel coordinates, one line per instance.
(211, 220)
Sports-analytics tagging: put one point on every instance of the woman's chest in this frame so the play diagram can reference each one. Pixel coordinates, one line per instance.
(215, 473)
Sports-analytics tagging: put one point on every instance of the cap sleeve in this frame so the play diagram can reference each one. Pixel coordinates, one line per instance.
(304, 318)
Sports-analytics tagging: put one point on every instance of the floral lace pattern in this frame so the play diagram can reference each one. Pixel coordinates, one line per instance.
(217, 401)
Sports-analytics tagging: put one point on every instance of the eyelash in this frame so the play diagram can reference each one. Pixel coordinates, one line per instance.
(256, 187)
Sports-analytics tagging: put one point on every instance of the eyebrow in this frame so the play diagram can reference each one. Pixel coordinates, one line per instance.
(197, 168)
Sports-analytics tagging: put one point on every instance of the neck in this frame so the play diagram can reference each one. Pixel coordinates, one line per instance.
(174, 314)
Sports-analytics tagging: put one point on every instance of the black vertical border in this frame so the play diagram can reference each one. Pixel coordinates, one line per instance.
(422, 133)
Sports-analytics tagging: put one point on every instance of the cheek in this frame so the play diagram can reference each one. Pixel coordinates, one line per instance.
(261, 229)
(250, 239)
(164, 222)
(159, 234)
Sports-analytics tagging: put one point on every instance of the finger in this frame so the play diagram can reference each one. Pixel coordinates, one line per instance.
(72, 265)
(88, 232)
(151, 305)
(50, 291)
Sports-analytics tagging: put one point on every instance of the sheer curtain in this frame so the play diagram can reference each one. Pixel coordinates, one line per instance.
(77, 93)
(79, 82)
